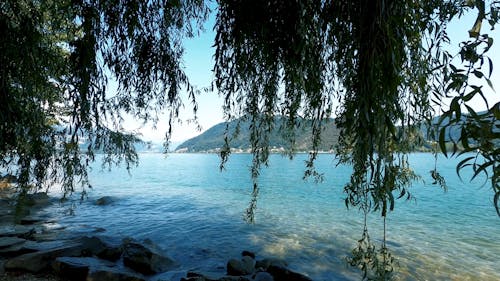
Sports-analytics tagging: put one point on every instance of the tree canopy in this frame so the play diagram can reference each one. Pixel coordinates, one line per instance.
(380, 67)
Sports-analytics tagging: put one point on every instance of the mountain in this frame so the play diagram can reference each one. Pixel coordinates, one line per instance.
(213, 139)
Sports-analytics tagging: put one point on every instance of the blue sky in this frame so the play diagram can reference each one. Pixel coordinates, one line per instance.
(198, 63)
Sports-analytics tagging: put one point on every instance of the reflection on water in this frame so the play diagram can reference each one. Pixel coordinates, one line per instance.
(186, 205)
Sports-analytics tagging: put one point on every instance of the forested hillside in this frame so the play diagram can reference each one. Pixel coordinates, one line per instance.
(213, 139)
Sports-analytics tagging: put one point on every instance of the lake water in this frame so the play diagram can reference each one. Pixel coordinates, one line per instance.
(186, 205)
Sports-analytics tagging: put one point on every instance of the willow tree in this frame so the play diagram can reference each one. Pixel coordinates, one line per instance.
(56, 60)
(378, 66)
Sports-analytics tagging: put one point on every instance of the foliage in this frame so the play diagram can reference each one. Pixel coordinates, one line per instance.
(479, 131)
(59, 63)
(379, 65)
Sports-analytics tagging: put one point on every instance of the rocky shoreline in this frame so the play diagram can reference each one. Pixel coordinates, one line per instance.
(31, 248)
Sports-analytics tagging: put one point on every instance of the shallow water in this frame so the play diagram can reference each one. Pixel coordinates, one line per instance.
(194, 211)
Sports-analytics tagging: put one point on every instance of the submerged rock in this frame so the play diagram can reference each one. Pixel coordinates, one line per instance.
(265, 263)
(146, 259)
(36, 199)
(105, 200)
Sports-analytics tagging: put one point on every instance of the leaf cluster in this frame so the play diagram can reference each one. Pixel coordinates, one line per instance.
(72, 71)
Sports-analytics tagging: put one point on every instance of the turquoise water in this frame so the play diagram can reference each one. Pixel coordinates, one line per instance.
(194, 211)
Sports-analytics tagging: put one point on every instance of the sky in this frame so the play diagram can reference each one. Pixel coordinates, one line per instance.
(198, 64)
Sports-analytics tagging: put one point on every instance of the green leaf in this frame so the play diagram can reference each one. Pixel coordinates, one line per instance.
(496, 202)
(482, 169)
(442, 142)
(490, 62)
(471, 94)
(462, 164)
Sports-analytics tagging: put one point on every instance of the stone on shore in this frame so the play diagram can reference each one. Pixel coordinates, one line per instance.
(16, 230)
(244, 266)
(112, 274)
(145, 259)
(70, 268)
(40, 260)
(263, 276)
(234, 278)
(6, 242)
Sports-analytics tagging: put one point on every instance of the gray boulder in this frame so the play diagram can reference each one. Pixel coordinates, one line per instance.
(40, 260)
(146, 259)
(6, 242)
(16, 230)
(244, 266)
(18, 249)
(95, 246)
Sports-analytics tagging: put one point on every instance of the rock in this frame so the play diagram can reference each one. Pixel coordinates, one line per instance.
(9, 178)
(284, 274)
(263, 276)
(234, 278)
(265, 263)
(196, 278)
(110, 253)
(36, 199)
(105, 200)
(30, 235)
(146, 260)
(6, 242)
(191, 275)
(28, 220)
(40, 260)
(244, 266)
(74, 269)
(17, 230)
(112, 274)
(5, 206)
(248, 253)
(2, 269)
(94, 246)
(18, 249)
(7, 181)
